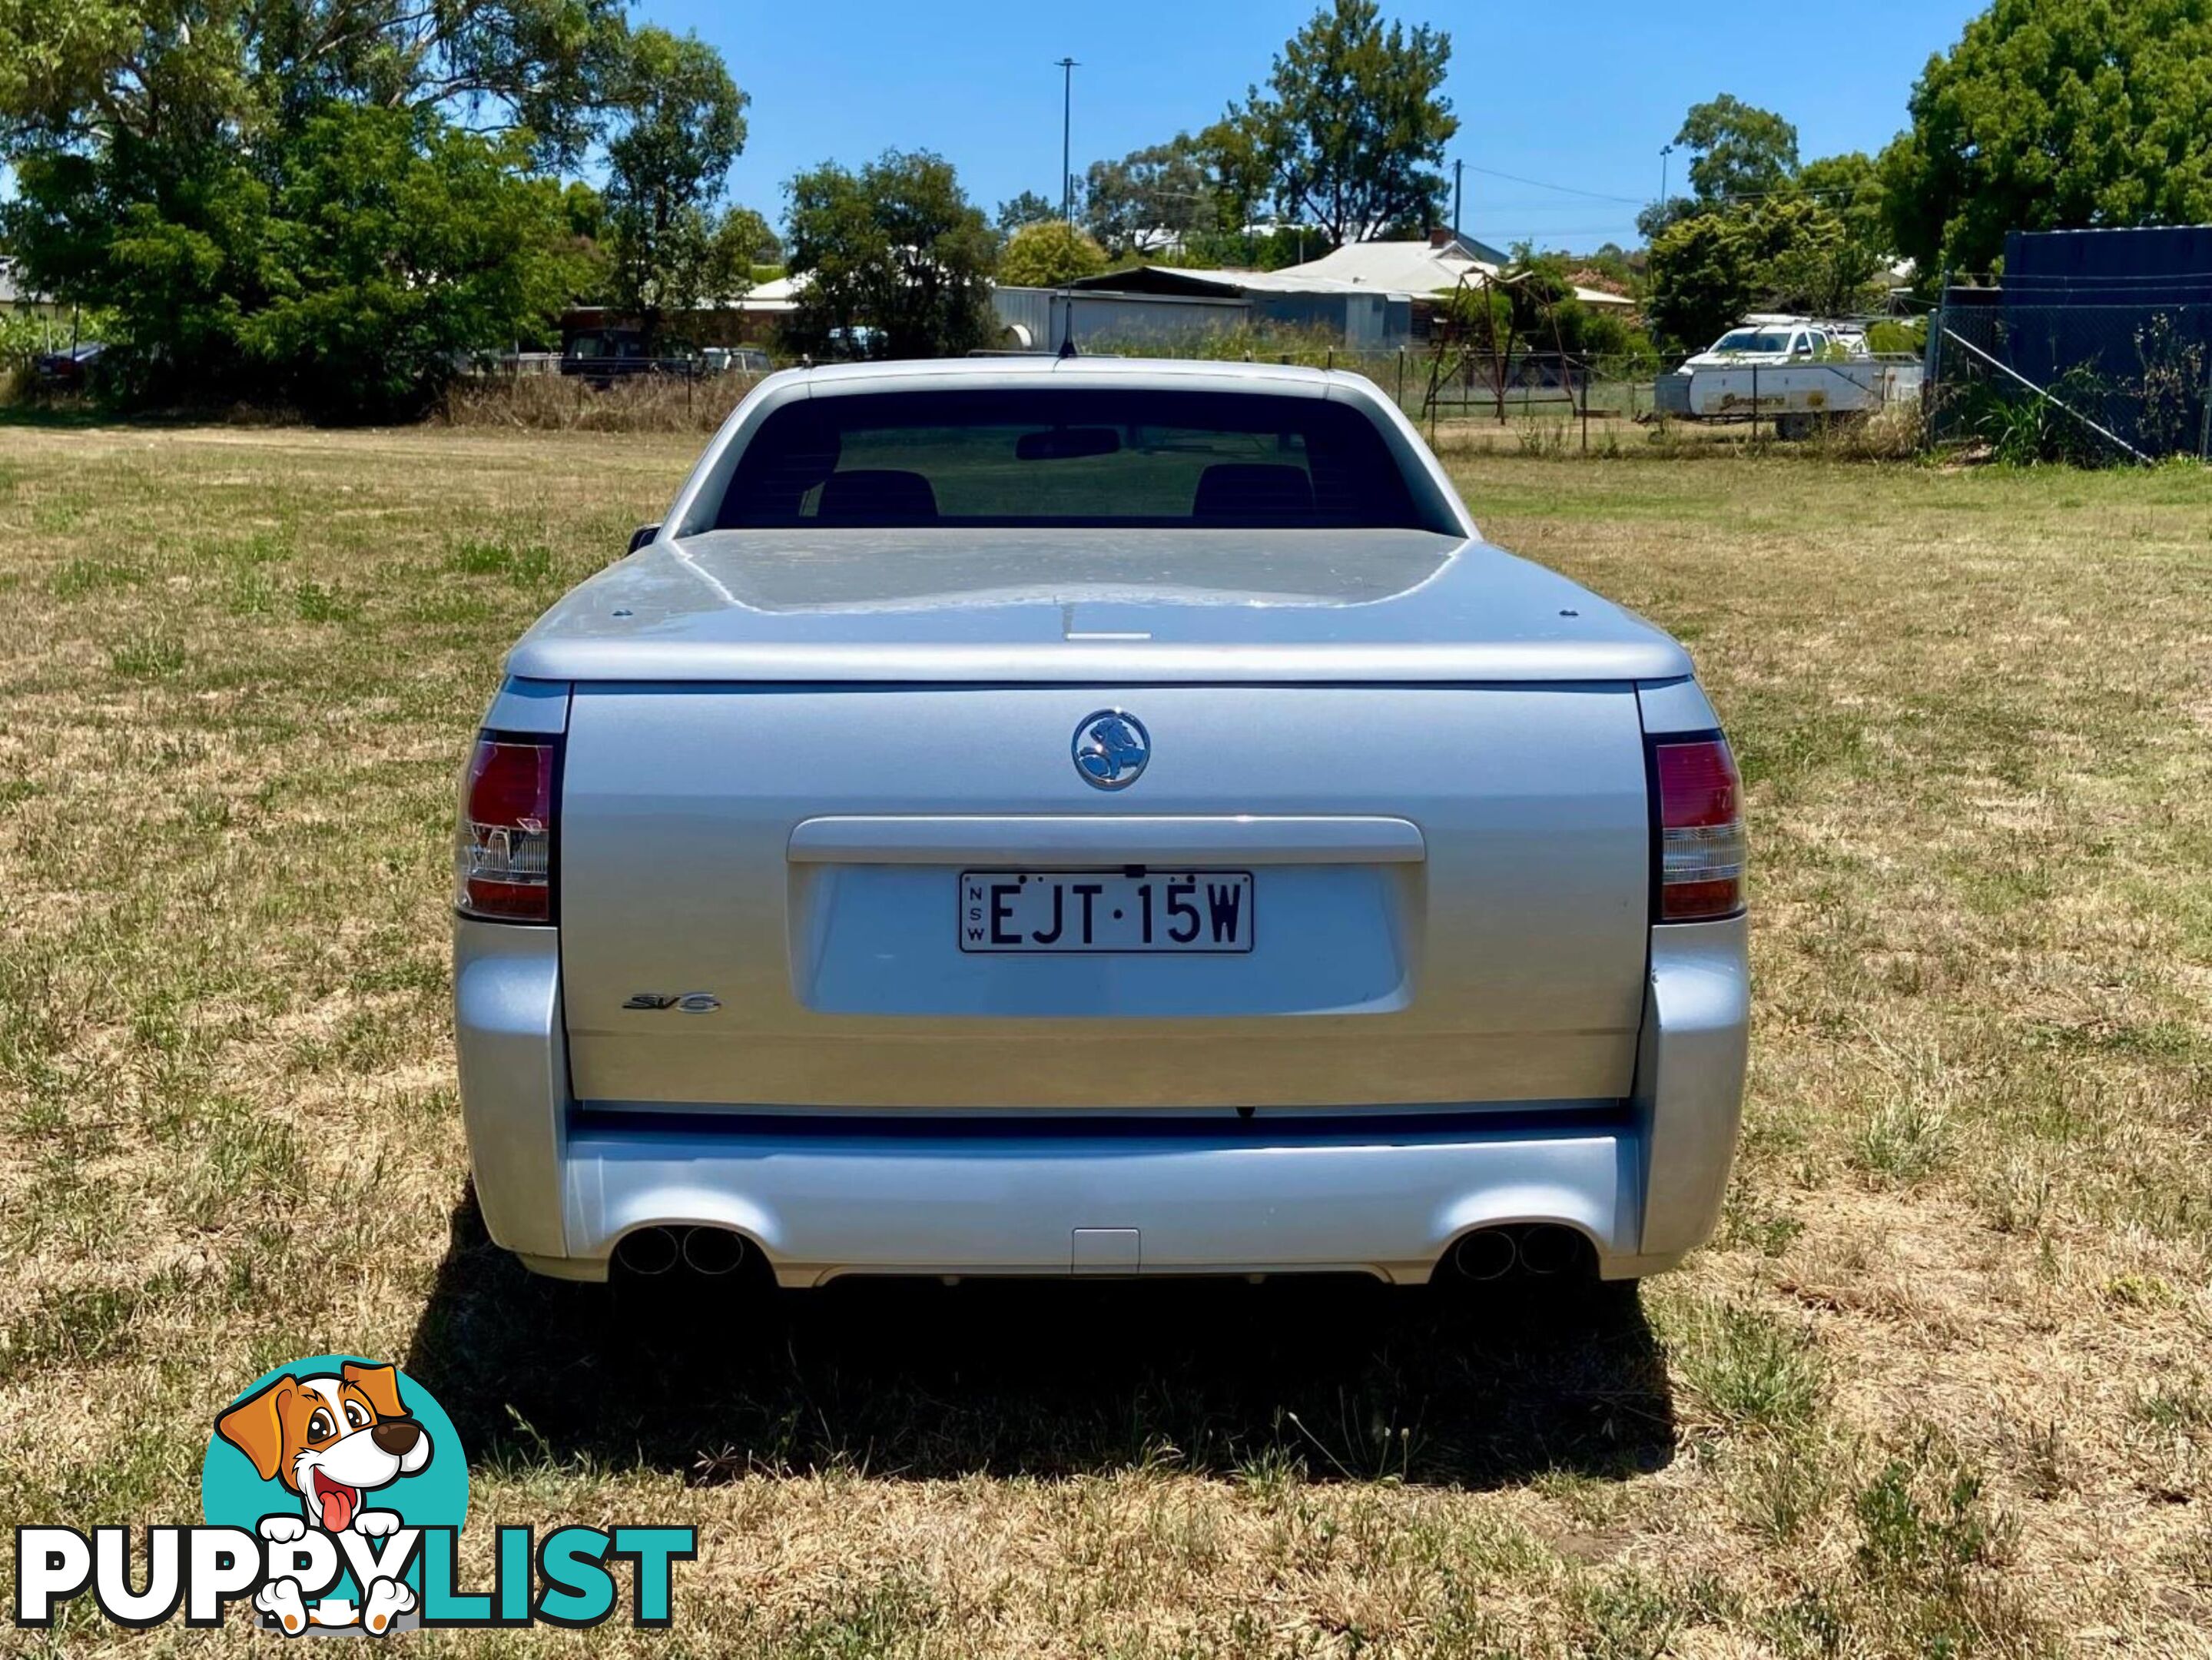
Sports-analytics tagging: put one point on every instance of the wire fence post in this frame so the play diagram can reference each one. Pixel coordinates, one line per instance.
(1931, 376)
(1754, 406)
(2204, 429)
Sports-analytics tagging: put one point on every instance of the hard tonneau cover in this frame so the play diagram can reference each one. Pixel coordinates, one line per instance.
(1167, 606)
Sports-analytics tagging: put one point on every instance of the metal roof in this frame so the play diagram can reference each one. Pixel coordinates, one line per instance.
(1152, 280)
(1417, 268)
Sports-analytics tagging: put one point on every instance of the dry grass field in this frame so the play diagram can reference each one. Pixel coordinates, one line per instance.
(1942, 1385)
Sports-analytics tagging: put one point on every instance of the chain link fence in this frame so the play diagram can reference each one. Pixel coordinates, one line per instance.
(1463, 398)
(2027, 374)
(1529, 399)
(1467, 397)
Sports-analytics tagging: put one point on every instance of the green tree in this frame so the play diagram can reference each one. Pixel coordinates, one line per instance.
(2051, 114)
(98, 73)
(1038, 256)
(583, 245)
(1027, 208)
(1736, 149)
(346, 271)
(584, 211)
(1614, 262)
(1785, 254)
(1253, 250)
(171, 159)
(1240, 176)
(1657, 215)
(1814, 263)
(745, 242)
(1849, 186)
(1704, 273)
(1350, 130)
(896, 248)
(88, 233)
(1161, 188)
(395, 245)
(682, 125)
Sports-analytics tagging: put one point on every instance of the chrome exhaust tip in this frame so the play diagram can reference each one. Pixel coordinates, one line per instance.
(647, 1252)
(1486, 1255)
(712, 1252)
(1547, 1251)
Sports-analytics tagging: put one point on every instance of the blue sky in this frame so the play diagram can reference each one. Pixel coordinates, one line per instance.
(1580, 95)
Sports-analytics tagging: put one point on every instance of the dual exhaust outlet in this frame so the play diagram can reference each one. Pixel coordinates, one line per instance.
(1529, 1251)
(711, 1253)
(1533, 1250)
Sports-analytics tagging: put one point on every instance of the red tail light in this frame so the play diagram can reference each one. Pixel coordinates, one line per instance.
(503, 856)
(1701, 842)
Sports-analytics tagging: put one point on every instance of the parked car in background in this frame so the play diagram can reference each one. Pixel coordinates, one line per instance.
(1774, 342)
(1800, 372)
(854, 344)
(1094, 817)
(734, 360)
(604, 356)
(71, 370)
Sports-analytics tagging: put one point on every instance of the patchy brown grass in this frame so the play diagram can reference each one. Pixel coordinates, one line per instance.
(1942, 1384)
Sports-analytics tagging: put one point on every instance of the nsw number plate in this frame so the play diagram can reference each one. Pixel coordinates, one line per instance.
(1192, 911)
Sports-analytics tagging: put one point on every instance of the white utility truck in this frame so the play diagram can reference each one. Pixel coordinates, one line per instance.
(1796, 371)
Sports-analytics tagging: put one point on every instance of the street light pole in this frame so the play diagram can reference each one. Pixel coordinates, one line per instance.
(1067, 67)
(1665, 150)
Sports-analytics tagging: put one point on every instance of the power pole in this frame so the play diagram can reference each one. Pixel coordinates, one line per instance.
(1067, 67)
(1665, 150)
(1456, 167)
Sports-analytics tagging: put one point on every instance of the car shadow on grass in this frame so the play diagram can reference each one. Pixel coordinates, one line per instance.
(1339, 1379)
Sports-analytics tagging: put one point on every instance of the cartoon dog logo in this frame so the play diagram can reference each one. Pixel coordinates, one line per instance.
(332, 1439)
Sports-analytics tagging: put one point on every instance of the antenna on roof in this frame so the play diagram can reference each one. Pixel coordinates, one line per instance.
(1068, 346)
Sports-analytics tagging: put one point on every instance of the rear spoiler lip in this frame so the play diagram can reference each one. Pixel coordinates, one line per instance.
(1104, 662)
(1676, 708)
(532, 707)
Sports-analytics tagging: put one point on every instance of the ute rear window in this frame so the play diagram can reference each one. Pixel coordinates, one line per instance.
(1068, 456)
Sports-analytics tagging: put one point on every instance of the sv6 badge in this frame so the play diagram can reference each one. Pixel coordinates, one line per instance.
(692, 1002)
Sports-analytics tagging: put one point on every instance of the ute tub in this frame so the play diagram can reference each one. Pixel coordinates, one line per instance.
(1642, 1178)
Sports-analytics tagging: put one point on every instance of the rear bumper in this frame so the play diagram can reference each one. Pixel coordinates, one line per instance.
(1208, 1200)
(1642, 1178)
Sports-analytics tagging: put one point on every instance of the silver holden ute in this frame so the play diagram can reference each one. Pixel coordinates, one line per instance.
(1094, 817)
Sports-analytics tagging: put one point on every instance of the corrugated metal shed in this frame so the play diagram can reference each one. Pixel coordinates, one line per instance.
(1362, 317)
(1039, 319)
(1026, 315)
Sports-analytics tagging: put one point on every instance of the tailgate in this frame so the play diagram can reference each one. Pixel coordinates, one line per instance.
(1449, 889)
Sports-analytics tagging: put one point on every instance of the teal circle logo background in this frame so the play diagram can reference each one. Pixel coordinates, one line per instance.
(234, 1495)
